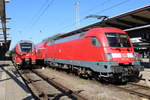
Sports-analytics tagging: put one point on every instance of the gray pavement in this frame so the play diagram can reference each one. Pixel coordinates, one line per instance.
(12, 86)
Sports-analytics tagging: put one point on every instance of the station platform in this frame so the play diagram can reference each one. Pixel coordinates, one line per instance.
(12, 86)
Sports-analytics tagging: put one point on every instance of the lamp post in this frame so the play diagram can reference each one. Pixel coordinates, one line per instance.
(77, 14)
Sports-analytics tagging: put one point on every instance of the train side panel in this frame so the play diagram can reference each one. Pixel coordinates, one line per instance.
(40, 52)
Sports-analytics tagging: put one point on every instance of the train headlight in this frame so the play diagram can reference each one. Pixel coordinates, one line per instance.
(109, 56)
(116, 55)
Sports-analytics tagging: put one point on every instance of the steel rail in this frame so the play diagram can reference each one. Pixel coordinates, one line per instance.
(70, 93)
(26, 83)
(133, 91)
(41, 93)
(145, 87)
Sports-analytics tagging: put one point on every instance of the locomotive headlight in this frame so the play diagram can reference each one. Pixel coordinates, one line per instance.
(109, 56)
(116, 55)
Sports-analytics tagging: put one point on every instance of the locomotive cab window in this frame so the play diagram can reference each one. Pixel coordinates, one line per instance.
(26, 47)
(95, 41)
(118, 40)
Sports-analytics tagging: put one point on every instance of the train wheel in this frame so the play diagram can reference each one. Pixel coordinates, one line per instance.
(135, 77)
(18, 66)
(120, 79)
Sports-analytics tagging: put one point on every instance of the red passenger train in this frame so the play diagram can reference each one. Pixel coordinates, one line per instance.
(103, 52)
(24, 53)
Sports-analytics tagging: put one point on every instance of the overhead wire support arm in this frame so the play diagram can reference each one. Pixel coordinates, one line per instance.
(98, 17)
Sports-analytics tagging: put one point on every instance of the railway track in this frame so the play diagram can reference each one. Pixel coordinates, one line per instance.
(132, 88)
(70, 93)
(47, 89)
(136, 89)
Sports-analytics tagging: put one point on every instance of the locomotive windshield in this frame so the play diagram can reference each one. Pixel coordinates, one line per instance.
(118, 40)
(26, 47)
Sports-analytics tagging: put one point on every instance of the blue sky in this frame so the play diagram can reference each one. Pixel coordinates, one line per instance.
(37, 19)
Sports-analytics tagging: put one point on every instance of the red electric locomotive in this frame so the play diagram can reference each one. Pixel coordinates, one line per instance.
(103, 52)
(24, 53)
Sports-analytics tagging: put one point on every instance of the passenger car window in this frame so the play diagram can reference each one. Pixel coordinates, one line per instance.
(95, 41)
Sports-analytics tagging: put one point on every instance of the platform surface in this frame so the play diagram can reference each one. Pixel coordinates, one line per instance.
(12, 86)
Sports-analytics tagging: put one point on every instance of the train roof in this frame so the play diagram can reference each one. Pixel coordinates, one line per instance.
(25, 41)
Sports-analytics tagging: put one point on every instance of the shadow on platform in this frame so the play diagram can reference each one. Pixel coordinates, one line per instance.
(28, 98)
(22, 85)
(5, 79)
(2, 65)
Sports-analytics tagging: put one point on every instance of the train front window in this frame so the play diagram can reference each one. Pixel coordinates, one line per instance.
(118, 40)
(26, 47)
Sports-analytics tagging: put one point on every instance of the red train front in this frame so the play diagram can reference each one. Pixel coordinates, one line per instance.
(104, 52)
(24, 53)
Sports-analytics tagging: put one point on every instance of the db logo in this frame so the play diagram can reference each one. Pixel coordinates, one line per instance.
(124, 55)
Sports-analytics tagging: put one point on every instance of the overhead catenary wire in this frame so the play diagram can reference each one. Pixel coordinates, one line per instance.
(49, 3)
(40, 10)
(113, 6)
(103, 10)
(37, 13)
(89, 10)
